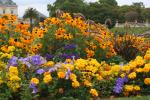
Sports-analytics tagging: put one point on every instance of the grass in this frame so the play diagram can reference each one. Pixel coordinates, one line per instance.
(130, 98)
(132, 30)
(135, 98)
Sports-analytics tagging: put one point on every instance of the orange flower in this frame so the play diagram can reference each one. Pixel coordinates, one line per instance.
(61, 75)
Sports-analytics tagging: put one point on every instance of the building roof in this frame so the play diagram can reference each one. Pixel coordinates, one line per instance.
(7, 3)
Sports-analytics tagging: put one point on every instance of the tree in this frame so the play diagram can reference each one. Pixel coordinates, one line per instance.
(139, 7)
(71, 6)
(102, 10)
(146, 14)
(131, 16)
(31, 13)
(108, 2)
(122, 10)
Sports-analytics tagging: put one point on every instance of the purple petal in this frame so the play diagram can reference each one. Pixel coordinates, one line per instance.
(40, 71)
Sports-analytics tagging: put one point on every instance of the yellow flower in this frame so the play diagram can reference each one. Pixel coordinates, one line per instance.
(139, 70)
(122, 75)
(80, 64)
(69, 66)
(6, 55)
(13, 85)
(132, 64)
(146, 68)
(147, 81)
(68, 60)
(137, 88)
(94, 62)
(139, 61)
(49, 64)
(11, 48)
(87, 83)
(132, 75)
(73, 77)
(115, 68)
(129, 88)
(2, 65)
(147, 56)
(99, 77)
(61, 75)
(14, 78)
(126, 68)
(35, 81)
(75, 84)
(46, 73)
(47, 78)
(13, 70)
(1, 81)
(93, 92)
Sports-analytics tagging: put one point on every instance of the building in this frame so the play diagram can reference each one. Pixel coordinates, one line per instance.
(8, 7)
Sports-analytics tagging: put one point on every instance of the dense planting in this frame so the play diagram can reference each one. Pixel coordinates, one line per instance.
(70, 58)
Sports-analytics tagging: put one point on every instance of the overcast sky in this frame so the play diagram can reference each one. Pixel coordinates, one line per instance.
(41, 5)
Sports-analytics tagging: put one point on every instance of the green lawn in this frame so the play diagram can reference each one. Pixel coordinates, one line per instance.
(128, 98)
(135, 98)
(133, 30)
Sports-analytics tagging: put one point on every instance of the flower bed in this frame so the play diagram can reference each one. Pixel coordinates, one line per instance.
(69, 58)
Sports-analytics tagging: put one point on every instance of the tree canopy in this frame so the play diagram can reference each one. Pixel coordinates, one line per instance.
(102, 10)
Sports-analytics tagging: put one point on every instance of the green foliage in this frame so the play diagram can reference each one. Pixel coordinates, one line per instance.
(26, 93)
(105, 87)
(101, 10)
(31, 13)
(71, 6)
(116, 59)
(108, 2)
(5, 93)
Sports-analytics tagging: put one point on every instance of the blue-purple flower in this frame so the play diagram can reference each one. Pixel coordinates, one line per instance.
(69, 56)
(69, 47)
(13, 61)
(119, 84)
(40, 71)
(25, 61)
(49, 56)
(56, 66)
(37, 60)
(34, 87)
(68, 74)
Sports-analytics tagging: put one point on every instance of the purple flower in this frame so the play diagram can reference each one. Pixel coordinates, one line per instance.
(52, 69)
(68, 74)
(120, 81)
(69, 47)
(34, 87)
(126, 79)
(37, 60)
(55, 67)
(13, 61)
(40, 71)
(25, 61)
(118, 89)
(49, 56)
(119, 84)
(69, 56)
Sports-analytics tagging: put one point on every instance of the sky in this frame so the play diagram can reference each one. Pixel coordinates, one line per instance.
(41, 5)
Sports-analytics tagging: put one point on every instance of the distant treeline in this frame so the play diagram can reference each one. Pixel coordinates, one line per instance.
(103, 10)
